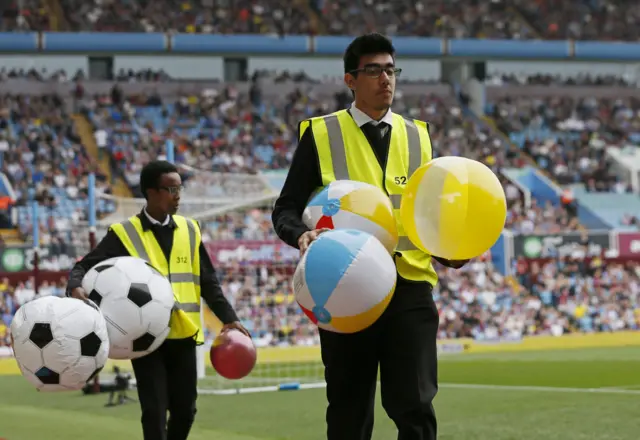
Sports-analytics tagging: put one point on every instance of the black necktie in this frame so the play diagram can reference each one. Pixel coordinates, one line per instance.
(376, 131)
(375, 134)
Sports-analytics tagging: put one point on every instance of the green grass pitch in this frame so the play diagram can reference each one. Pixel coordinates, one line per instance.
(577, 394)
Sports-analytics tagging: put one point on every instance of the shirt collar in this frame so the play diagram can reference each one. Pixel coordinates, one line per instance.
(361, 118)
(153, 221)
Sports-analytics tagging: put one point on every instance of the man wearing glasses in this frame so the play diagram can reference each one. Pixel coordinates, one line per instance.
(370, 143)
(167, 378)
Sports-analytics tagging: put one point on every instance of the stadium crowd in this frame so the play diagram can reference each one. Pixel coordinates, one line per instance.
(568, 136)
(585, 79)
(582, 19)
(237, 133)
(560, 296)
(516, 19)
(43, 159)
(557, 297)
(234, 132)
(508, 19)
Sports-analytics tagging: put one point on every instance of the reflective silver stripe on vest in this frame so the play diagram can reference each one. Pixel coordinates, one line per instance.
(415, 150)
(136, 240)
(188, 307)
(192, 239)
(185, 277)
(395, 200)
(336, 144)
(404, 244)
(415, 160)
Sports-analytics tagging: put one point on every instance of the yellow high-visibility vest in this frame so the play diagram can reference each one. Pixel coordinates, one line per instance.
(183, 269)
(345, 154)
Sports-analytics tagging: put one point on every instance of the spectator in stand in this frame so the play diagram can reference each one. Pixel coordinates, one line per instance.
(631, 220)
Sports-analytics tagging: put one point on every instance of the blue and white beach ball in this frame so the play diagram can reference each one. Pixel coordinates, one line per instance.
(345, 280)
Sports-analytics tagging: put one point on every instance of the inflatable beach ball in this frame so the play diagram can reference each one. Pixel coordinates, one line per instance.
(454, 208)
(347, 204)
(345, 280)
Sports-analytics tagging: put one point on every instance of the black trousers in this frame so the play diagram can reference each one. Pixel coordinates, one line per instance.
(167, 380)
(403, 343)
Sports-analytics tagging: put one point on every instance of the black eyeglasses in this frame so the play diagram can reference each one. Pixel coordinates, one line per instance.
(375, 70)
(173, 190)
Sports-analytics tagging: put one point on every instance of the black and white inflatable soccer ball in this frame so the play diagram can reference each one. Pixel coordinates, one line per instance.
(136, 301)
(59, 343)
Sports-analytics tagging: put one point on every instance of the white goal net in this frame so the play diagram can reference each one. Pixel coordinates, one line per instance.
(260, 290)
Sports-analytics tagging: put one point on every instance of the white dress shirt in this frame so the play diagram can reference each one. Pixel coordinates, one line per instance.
(362, 118)
(154, 221)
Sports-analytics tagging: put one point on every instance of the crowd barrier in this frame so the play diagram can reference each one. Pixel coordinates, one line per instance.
(300, 45)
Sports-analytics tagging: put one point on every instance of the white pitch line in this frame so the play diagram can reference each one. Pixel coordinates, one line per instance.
(542, 389)
(622, 387)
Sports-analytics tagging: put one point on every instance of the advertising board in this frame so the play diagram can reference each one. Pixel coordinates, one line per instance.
(536, 246)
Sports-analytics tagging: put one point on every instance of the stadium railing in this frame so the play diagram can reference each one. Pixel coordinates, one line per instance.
(204, 44)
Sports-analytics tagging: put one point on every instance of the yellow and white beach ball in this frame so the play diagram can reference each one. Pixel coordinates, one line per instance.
(345, 280)
(353, 205)
(454, 208)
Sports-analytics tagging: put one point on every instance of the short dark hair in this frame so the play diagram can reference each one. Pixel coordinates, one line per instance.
(368, 44)
(152, 172)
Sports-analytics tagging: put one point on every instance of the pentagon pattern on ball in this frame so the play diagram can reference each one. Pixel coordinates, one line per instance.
(90, 345)
(41, 334)
(139, 294)
(47, 376)
(143, 342)
(95, 297)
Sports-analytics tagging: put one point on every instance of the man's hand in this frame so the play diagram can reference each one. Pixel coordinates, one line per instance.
(236, 325)
(457, 264)
(79, 293)
(453, 264)
(308, 237)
